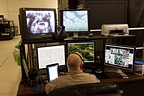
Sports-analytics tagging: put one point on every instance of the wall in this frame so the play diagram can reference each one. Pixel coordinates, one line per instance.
(10, 8)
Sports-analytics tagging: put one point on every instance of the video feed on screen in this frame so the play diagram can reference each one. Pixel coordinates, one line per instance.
(119, 56)
(40, 21)
(75, 21)
(85, 48)
(50, 55)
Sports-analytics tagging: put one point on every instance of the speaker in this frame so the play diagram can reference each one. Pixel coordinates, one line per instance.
(61, 33)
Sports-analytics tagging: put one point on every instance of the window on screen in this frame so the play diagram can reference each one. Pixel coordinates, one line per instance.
(53, 72)
(87, 49)
(119, 56)
(50, 55)
(40, 21)
(75, 20)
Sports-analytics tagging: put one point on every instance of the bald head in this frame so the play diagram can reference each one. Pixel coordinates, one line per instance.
(74, 62)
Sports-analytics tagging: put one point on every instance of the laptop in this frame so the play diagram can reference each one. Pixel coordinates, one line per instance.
(52, 71)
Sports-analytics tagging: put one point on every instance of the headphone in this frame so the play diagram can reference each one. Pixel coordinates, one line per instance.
(79, 56)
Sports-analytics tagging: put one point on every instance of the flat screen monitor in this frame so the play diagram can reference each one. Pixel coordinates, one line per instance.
(87, 49)
(75, 20)
(121, 57)
(37, 23)
(50, 54)
(107, 12)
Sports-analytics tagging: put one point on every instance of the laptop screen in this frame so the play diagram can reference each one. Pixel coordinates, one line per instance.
(52, 71)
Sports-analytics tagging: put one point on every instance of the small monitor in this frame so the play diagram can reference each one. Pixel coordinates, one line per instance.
(121, 57)
(37, 24)
(52, 71)
(75, 20)
(50, 54)
(87, 49)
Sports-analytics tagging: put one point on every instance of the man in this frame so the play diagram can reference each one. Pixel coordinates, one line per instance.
(74, 76)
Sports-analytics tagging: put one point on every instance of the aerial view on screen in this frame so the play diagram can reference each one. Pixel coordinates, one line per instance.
(75, 20)
(85, 48)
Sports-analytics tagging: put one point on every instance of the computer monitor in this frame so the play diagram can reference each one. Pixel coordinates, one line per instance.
(47, 55)
(87, 49)
(121, 57)
(37, 24)
(75, 20)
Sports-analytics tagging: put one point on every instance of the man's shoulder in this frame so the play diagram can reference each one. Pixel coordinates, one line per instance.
(89, 74)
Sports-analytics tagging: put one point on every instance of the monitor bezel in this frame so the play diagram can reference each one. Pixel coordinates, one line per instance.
(123, 47)
(61, 66)
(79, 32)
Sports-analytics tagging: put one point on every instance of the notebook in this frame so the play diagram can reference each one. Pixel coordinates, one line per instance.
(52, 71)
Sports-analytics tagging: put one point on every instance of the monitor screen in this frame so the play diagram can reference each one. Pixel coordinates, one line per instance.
(106, 12)
(37, 23)
(40, 21)
(87, 49)
(52, 71)
(119, 56)
(50, 54)
(75, 20)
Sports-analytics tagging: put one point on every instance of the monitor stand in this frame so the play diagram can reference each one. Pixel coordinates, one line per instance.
(76, 36)
(118, 71)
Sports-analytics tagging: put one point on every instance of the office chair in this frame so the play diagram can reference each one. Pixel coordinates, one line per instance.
(91, 89)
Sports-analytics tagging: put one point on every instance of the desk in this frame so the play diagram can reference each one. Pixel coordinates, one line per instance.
(26, 90)
(132, 86)
(116, 78)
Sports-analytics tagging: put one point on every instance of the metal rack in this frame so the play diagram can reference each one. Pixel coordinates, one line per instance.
(7, 29)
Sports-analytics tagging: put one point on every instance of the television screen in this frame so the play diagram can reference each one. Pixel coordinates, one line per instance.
(87, 49)
(50, 54)
(75, 20)
(37, 23)
(119, 56)
(40, 21)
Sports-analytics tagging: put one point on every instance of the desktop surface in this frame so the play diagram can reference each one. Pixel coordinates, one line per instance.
(125, 84)
(94, 37)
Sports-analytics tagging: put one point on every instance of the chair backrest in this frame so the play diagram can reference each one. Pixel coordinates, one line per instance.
(91, 89)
